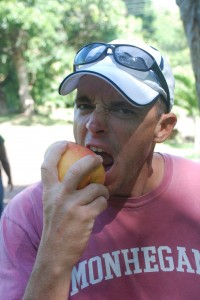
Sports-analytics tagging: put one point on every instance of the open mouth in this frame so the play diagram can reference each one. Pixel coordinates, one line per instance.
(108, 160)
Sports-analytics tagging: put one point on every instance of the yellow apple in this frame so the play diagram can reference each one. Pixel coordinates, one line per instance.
(73, 153)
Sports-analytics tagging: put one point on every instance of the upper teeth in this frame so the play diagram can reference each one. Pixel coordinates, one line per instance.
(96, 149)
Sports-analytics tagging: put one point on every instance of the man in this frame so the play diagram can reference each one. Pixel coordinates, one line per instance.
(136, 236)
(6, 167)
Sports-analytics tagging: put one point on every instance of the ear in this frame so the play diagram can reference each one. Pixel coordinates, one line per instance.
(164, 127)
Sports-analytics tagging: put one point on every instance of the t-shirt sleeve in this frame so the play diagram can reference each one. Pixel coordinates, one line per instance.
(20, 232)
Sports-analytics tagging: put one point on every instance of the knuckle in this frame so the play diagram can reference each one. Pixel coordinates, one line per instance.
(103, 201)
(93, 188)
(84, 216)
(99, 206)
(98, 189)
(44, 165)
(74, 171)
(44, 168)
(71, 212)
(93, 191)
(45, 172)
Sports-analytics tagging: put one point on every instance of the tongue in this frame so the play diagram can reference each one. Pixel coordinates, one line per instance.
(107, 159)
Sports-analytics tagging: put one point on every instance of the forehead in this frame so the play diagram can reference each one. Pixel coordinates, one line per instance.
(93, 86)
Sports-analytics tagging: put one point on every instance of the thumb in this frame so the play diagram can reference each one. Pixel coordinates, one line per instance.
(49, 172)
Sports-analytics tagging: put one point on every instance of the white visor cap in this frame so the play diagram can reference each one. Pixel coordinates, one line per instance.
(140, 88)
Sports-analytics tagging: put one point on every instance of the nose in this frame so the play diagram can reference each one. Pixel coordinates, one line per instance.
(97, 122)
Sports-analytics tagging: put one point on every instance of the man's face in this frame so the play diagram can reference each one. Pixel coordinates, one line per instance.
(121, 133)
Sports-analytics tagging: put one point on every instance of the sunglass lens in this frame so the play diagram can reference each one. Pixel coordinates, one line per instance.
(89, 54)
(133, 57)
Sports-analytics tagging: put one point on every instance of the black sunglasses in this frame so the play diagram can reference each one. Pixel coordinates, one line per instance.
(126, 55)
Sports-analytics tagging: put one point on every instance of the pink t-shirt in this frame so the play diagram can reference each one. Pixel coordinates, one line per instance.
(141, 248)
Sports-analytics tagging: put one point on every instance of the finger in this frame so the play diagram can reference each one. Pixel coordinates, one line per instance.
(91, 192)
(53, 146)
(49, 172)
(80, 169)
(97, 206)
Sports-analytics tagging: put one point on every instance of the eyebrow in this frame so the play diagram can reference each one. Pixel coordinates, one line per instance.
(120, 103)
(115, 103)
(83, 98)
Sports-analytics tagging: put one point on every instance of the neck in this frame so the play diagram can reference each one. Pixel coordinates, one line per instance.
(156, 175)
(150, 176)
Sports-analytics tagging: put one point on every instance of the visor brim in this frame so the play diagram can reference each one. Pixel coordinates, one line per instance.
(133, 89)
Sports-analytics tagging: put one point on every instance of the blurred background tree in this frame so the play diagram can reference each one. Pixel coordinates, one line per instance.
(29, 31)
(190, 15)
(38, 42)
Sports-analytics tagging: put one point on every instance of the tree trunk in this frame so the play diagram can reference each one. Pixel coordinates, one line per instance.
(3, 107)
(26, 100)
(190, 15)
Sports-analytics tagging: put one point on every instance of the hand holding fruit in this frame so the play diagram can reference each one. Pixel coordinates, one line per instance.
(73, 153)
(69, 213)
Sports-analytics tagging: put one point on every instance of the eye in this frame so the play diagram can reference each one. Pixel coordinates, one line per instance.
(125, 111)
(84, 106)
(122, 112)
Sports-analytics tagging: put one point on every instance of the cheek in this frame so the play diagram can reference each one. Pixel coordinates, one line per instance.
(75, 130)
(79, 127)
(136, 148)
(78, 130)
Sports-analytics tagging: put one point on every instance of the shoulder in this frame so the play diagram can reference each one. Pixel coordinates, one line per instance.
(25, 209)
(20, 234)
(181, 161)
(183, 168)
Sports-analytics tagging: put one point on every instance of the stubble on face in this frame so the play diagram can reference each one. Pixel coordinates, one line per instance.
(128, 136)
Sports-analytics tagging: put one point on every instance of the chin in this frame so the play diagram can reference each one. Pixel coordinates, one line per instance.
(113, 189)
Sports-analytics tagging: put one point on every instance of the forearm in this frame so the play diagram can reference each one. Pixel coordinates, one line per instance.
(6, 168)
(47, 283)
(5, 163)
(68, 219)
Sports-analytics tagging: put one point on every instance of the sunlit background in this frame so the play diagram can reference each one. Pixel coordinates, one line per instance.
(37, 46)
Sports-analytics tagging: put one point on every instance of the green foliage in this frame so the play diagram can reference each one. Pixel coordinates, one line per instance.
(90, 20)
(9, 86)
(185, 95)
(25, 27)
(164, 30)
(171, 37)
(47, 34)
(149, 28)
